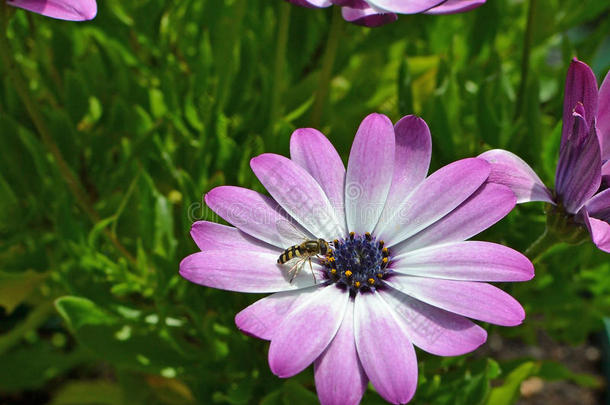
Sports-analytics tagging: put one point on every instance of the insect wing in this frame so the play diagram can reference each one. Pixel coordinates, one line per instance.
(289, 233)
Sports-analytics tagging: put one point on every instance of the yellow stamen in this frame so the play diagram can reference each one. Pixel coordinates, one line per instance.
(348, 273)
(371, 281)
(357, 284)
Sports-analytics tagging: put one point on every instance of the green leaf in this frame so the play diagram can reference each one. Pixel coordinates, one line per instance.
(273, 398)
(552, 371)
(476, 390)
(295, 394)
(88, 393)
(125, 343)
(31, 366)
(157, 103)
(76, 95)
(16, 287)
(80, 312)
(405, 90)
(99, 228)
(508, 393)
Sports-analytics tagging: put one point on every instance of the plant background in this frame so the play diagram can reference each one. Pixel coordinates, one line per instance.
(155, 102)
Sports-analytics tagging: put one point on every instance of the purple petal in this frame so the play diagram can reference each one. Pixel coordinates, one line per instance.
(72, 10)
(340, 379)
(599, 206)
(606, 174)
(369, 173)
(456, 6)
(580, 88)
(599, 230)
(311, 3)
(489, 204)
(306, 331)
(384, 349)
(262, 318)
(251, 212)
(311, 150)
(213, 236)
(472, 299)
(510, 170)
(435, 330)
(368, 17)
(603, 118)
(351, 3)
(411, 161)
(243, 271)
(404, 7)
(470, 261)
(298, 193)
(578, 173)
(434, 198)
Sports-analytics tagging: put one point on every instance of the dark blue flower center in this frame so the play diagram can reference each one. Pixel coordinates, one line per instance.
(358, 262)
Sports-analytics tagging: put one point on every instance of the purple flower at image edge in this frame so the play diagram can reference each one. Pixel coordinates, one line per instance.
(399, 271)
(373, 13)
(582, 178)
(72, 10)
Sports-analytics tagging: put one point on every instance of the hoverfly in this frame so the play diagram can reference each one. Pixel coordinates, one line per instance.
(300, 253)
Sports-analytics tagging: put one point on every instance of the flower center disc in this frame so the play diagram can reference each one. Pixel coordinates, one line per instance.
(358, 262)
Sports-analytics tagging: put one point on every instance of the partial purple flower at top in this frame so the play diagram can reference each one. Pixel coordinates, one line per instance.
(385, 264)
(582, 179)
(72, 10)
(373, 13)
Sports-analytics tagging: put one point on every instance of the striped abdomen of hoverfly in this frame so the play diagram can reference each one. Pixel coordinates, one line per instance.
(290, 253)
(309, 248)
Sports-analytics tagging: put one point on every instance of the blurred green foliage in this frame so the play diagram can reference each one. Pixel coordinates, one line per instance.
(155, 102)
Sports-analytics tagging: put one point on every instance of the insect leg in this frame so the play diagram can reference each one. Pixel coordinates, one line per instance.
(294, 270)
(312, 272)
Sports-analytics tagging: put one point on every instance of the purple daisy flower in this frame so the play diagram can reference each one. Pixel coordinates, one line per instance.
(373, 13)
(73, 10)
(582, 179)
(398, 271)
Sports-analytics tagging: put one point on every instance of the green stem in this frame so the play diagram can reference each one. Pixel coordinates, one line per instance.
(546, 241)
(82, 199)
(332, 44)
(525, 58)
(280, 61)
